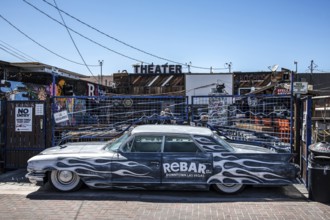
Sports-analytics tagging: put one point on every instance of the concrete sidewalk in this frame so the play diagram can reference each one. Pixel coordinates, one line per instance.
(21, 200)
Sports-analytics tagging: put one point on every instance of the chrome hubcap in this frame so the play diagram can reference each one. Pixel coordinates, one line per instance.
(65, 176)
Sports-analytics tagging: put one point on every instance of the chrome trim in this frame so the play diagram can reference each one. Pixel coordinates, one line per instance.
(37, 178)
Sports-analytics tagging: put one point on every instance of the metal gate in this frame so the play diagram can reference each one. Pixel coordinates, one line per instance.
(26, 128)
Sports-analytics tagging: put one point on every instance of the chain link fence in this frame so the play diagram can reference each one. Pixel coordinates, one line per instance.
(321, 118)
(95, 118)
(264, 120)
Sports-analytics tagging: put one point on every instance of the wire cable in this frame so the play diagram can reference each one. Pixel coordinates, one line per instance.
(113, 38)
(40, 44)
(323, 71)
(75, 45)
(128, 45)
(19, 52)
(13, 54)
(87, 38)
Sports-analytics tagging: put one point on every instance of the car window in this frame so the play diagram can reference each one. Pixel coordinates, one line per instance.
(145, 143)
(113, 146)
(180, 144)
(128, 146)
(224, 143)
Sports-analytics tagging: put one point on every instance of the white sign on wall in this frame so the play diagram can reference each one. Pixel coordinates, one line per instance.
(39, 109)
(23, 119)
(203, 84)
(61, 116)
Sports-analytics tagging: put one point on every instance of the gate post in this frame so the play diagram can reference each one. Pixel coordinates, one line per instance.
(297, 127)
(53, 106)
(2, 135)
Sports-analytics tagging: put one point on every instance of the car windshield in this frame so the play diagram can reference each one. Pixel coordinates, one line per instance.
(113, 146)
(224, 143)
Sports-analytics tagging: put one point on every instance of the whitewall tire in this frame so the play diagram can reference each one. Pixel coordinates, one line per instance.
(228, 188)
(64, 180)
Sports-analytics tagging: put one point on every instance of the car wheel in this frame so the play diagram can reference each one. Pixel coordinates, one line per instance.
(229, 188)
(64, 180)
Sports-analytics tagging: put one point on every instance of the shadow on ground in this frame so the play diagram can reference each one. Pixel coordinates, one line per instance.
(255, 194)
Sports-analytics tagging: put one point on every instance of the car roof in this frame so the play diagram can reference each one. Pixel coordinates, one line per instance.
(172, 129)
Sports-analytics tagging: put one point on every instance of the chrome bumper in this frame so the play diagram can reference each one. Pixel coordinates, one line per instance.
(37, 178)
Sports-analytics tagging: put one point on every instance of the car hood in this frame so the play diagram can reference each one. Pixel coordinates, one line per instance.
(77, 147)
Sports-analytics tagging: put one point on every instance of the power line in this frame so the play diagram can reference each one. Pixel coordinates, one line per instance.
(87, 38)
(113, 38)
(14, 53)
(126, 44)
(82, 58)
(323, 71)
(40, 44)
(19, 52)
(11, 53)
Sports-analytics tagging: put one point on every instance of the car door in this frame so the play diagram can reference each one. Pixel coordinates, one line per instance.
(138, 162)
(184, 163)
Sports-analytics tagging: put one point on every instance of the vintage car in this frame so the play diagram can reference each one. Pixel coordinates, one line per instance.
(175, 157)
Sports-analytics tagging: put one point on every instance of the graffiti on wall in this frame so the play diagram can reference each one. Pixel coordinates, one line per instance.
(25, 91)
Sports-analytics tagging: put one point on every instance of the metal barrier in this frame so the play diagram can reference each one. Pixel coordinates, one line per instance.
(259, 119)
(102, 118)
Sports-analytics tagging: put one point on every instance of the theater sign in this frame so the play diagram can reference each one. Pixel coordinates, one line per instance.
(158, 69)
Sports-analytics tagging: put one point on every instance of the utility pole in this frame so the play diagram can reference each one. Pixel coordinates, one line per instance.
(296, 63)
(189, 64)
(311, 67)
(229, 66)
(101, 64)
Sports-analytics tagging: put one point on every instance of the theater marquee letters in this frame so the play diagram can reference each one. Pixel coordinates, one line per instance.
(158, 69)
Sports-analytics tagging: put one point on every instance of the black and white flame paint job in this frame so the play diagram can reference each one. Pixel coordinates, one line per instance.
(99, 168)
(253, 168)
(208, 145)
(248, 168)
(96, 172)
(99, 172)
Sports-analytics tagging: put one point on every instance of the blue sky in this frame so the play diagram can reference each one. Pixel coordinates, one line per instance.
(252, 34)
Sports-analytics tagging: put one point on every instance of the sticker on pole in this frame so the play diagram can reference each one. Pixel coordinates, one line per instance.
(61, 116)
(23, 119)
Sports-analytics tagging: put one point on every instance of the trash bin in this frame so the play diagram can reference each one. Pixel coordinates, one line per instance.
(319, 172)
